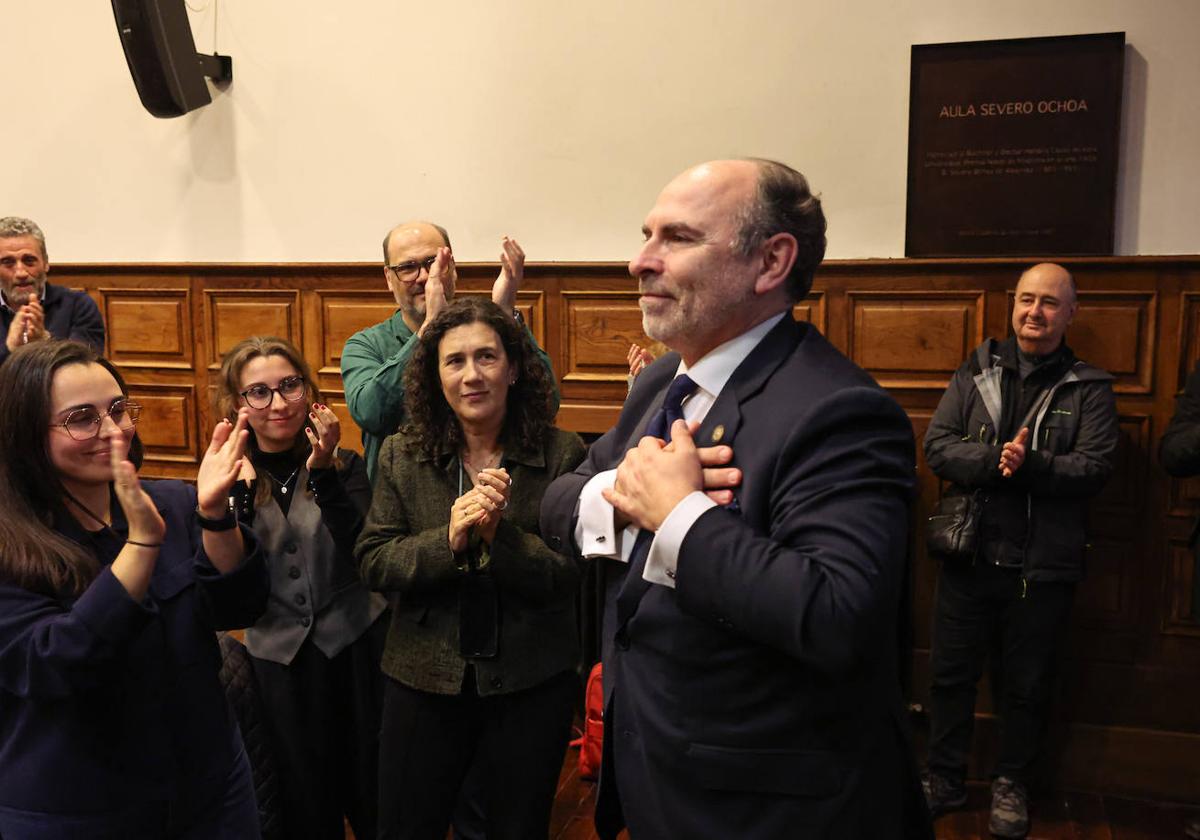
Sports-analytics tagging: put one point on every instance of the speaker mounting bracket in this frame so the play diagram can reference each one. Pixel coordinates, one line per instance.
(219, 68)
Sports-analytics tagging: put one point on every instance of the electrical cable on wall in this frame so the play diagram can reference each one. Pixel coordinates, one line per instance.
(215, 5)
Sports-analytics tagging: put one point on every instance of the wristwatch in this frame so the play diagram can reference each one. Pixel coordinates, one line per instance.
(516, 313)
(226, 523)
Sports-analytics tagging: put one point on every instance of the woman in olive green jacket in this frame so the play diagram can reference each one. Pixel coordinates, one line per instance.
(482, 647)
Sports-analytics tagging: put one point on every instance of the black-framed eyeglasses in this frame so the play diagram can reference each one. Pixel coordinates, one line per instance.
(260, 395)
(84, 423)
(408, 272)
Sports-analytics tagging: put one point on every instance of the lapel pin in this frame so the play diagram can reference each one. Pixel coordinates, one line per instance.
(718, 433)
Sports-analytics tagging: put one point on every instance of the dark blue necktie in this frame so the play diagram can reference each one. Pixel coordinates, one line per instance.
(634, 585)
(681, 387)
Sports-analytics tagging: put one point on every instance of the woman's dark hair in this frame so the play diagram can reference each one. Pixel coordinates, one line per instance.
(229, 386)
(432, 427)
(33, 555)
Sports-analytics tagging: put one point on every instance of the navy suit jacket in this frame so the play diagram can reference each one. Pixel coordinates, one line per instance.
(760, 697)
(111, 712)
(68, 314)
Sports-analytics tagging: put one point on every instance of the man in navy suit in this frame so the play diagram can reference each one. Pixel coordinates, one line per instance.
(756, 560)
(32, 309)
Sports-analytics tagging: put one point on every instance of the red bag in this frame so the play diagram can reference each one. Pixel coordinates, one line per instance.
(591, 745)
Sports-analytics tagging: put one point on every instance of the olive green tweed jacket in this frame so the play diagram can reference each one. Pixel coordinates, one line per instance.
(404, 552)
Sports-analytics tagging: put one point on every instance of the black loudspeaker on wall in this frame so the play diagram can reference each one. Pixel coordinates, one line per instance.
(166, 69)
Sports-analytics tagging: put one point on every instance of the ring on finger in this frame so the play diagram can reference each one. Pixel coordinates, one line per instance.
(504, 505)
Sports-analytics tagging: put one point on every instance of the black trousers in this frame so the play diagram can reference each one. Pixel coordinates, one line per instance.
(322, 716)
(428, 742)
(983, 609)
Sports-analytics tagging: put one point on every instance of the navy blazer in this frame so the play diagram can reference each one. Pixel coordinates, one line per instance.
(68, 314)
(760, 697)
(110, 709)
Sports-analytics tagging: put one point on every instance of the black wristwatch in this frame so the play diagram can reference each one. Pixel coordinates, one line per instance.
(518, 317)
(226, 523)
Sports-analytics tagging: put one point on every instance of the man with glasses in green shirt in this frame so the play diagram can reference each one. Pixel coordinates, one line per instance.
(418, 267)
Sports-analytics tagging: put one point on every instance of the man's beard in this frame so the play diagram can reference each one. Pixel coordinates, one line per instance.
(18, 297)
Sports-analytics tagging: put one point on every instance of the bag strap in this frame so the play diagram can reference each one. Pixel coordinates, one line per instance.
(1038, 405)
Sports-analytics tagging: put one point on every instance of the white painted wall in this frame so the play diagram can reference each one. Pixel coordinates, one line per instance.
(556, 122)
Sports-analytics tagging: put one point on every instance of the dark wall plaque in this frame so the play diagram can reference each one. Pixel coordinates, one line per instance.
(1012, 146)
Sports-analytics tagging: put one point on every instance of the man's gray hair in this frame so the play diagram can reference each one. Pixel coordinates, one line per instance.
(11, 226)
(784, 203)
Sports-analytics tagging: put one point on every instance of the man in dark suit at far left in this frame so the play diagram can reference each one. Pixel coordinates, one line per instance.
(32, 309)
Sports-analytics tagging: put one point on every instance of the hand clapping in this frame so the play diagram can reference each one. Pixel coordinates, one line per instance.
(482, 506)
(221, 466)
(1012, 456)
(439, 288)
(146, 526)
(323, 435)
(512, 274)
(28, 325)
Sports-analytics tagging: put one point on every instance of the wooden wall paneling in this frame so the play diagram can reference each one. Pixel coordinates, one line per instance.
(167, 425)
(531, 303)
(532, 306)
(148, 327)
(914, 339)
(1128, 761)
(1183, 493)
(1106, 599)
(924, 568)
(1189, 336)
(234, 314)
(813, 310)
(1180, 595)
(1115, 330)
(599, 327)
(1181, 613)
(342, 313)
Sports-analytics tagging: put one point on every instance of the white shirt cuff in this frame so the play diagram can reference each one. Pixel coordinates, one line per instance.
(664, 550)
(595, 533)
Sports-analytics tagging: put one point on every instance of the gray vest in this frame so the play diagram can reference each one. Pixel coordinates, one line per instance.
(312, 592)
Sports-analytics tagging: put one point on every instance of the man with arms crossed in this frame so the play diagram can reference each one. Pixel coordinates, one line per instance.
(751, 686)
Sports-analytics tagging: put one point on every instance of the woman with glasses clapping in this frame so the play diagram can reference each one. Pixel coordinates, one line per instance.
(113, 723)
(317, 648)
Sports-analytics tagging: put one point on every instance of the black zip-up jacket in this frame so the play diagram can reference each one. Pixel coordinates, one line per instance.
(1037, 517)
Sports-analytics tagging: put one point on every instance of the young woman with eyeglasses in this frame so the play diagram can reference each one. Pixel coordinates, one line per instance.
(317, 648)
(113, 723)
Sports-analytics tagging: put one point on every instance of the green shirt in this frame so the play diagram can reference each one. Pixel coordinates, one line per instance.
(373, 364)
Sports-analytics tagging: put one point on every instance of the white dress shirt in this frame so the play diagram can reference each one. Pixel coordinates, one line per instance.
(595, 533)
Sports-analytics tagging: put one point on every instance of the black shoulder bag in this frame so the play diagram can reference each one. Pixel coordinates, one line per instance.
(952, 530)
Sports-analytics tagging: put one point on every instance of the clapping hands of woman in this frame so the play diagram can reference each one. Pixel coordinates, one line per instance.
(218, 471)
(323, 432)
(482, 506)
